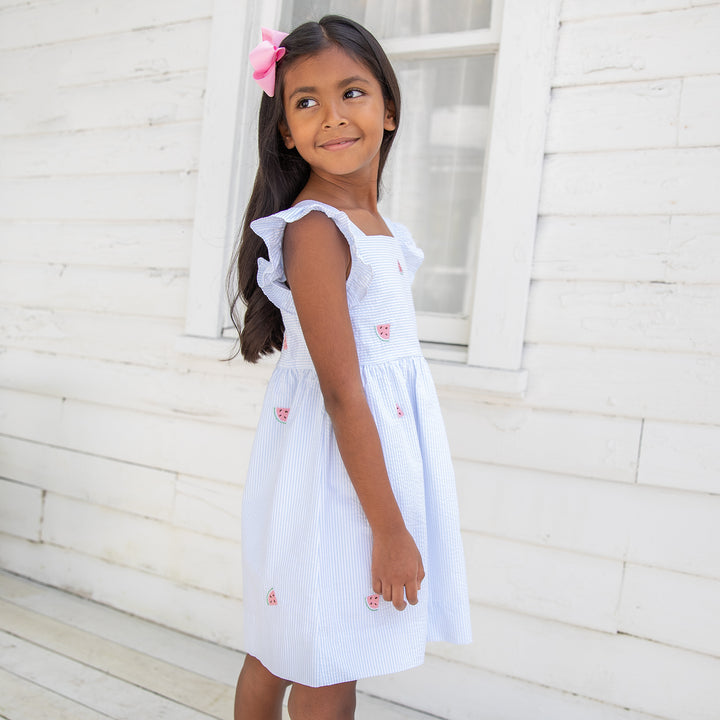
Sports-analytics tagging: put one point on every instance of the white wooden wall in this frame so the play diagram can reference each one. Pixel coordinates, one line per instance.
(590, 509)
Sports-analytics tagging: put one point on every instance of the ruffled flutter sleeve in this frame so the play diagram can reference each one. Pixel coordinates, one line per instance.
(271, 272)
(414, 256)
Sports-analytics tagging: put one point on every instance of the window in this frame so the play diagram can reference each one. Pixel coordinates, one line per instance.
(464, 174)
(443, 54)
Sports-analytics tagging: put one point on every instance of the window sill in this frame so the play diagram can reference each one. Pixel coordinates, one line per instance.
(448, 365)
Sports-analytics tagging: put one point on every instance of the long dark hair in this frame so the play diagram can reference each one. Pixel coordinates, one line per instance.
(282, 173)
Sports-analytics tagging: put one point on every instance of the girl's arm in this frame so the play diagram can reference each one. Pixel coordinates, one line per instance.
(317, 258)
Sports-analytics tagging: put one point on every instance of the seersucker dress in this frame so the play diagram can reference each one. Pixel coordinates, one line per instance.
(310, 614)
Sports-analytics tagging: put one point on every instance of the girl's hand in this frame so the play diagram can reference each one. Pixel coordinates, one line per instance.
(396, 567)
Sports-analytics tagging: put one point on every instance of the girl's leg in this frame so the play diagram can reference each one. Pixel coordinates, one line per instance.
(332, 702)
(259, 694)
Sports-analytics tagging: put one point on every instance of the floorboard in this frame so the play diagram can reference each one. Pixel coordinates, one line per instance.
(63, 657)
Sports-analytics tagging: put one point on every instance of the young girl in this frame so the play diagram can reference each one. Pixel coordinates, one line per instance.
(352, 558)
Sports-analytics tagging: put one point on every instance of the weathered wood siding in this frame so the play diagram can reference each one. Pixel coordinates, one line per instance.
(122, 459)
(589, 509)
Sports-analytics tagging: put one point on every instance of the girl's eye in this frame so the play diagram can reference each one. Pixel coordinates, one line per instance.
(306, 103)
(353, 93)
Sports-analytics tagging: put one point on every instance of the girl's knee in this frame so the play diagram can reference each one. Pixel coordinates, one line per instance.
(259, 693)
(332, 702)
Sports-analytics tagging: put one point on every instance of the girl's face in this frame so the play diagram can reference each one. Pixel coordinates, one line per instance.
(336, 115)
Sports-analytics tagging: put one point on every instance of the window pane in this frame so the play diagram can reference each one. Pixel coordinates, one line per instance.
(434, 175)
(398, 18)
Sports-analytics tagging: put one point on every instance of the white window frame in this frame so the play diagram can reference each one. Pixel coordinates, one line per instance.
(524, 33)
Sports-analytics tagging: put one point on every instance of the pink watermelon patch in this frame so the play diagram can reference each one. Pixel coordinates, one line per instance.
(373, 601)
(282, 414)
(271, 598)
(383, 331)
(400, 268)
(399, 410)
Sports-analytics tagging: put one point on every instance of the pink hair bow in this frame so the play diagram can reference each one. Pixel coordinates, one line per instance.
(264, 59)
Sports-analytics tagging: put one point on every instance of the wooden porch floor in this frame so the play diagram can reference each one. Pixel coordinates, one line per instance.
(63, 657)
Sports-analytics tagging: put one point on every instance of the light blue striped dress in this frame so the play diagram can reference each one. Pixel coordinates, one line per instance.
(310, 614)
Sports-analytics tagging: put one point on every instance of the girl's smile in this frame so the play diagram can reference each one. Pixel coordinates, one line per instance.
(336, 115)
(338, 144)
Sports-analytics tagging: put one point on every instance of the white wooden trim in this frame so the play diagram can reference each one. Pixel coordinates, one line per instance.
(215, 209)
(512, 177)
(469, 42)
(437, 328)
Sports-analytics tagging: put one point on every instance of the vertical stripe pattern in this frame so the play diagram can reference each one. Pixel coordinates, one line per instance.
(309, 612)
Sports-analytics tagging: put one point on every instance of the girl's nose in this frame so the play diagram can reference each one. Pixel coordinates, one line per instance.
(334, 118)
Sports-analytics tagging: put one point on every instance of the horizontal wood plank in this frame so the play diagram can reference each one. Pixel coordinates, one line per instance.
(584, 9)
(185, 557)
(699, 122)
(676, 530)
(159, 196)
(160, 148)
(122, 338)
(602, 248)
(683, 248)
(613, 520)
(208, 507)
(149, 52)
(164, 679)
(151, 244)
(55, 21)
(22, 699)
(640, 46)
(576, 444)
(137, 437)
(621, 670)
(643, 182)
(680, 455)
(680, 387)
(200, 613)
(91, 289)
(21, 506)
(614, 117)
(86, 685)
(166, 98)
(671, 607)
(156, 641)
(101, 481)
(544, 509)
(650, 316)
(228, 398)
(459, 691)
(135, 340)
(543, 582)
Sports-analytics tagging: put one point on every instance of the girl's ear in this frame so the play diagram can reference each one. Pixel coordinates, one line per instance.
(389, 123)
(285, 134)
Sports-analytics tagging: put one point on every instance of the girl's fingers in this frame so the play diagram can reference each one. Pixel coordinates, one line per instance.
(411, 590)
(386, 591)
(377, 586)
(398, 597)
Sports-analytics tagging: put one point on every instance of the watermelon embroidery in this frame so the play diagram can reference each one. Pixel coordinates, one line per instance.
(373, 602)
(271, 598)
(400, 413)
(383, 331)
(281, 414)
(400, 268)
